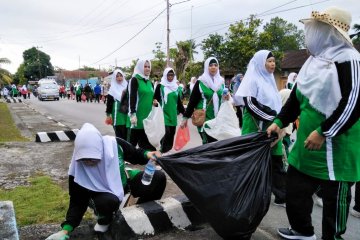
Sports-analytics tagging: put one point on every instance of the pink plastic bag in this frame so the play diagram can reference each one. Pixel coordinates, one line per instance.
(182, 138)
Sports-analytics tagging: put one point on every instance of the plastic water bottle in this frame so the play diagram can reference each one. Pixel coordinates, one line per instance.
(148, 173)
(225, 91)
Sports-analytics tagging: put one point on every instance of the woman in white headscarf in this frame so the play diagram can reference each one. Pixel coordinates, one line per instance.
(117, 105)
(141, 94)
(327, 148)
(206, 94)
(97, 178)
(262, 102)
(291, 80)
(167, 94)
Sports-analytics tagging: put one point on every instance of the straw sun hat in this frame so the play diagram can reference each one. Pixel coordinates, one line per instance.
(336, 17)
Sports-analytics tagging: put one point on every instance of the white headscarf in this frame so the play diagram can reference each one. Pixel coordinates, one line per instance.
(116, 89)
(104, 176)
(168, 86)
(213, 82)
(290, 78)
(259, 83)
(318, 77)
(139, 68)
(24, 88)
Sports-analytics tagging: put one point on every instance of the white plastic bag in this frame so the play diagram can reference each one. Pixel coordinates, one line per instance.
(154, 126)
(225, 125)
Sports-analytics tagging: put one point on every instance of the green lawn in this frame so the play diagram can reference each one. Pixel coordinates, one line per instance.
(8, 130)
(42, 202)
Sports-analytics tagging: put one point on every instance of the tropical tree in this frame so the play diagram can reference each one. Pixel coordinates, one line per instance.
(37, 64)
(5, 75)
(236, 48)
(158, 63)
(184, 55)
(213, 46)
(19, 76)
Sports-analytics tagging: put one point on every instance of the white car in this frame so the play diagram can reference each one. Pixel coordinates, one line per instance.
(48, 91)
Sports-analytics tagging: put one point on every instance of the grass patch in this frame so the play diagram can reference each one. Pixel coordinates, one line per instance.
(42, 202)
(8, 130)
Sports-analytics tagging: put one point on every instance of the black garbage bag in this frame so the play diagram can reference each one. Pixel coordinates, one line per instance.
(228, 181)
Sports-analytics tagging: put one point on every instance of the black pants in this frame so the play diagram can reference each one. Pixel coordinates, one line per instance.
(278, 172)
(168, 140)
(121, 131)
(138, 137)
(150, 192)
(105, 204)
(357, 197)
(239, 115)
(299, 204)
(97, 98)
(78, 98)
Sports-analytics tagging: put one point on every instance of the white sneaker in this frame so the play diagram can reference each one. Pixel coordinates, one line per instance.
(101, 228)
(355, 213)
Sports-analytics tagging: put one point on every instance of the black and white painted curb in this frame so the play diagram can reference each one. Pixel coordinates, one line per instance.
(8, 228)
(154, 217)
(56, 136)
(13, 100)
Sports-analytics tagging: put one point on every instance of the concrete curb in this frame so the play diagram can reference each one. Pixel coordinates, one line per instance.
(154, 217)
(8, 228)
(56, 136)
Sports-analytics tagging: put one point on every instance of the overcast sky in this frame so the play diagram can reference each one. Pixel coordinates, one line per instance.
(95, 30)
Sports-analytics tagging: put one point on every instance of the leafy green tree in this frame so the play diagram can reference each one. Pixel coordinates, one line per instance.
(284, 36)
(5, 75)
(185, 51)
(37, 64)
(194, 69)
(128, 71)
(241, 43)
(19, 77)
(158, 63)
(213, 46)
(236, 48)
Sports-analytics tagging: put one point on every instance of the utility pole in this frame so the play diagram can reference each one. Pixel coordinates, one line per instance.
(191, 34)
(38, 60)
(168, 34)
(168, 5)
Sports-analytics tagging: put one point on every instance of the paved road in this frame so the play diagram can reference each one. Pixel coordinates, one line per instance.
(75, 114)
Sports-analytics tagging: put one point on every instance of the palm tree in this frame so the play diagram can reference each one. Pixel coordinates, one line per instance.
(184, 56)
(5, 76)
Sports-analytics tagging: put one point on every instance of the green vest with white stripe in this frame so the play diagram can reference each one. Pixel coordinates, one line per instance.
(339, 157)
(145, 95)
(118, 117)
(170, 107)
(125, 174)
(207, 94)
(252, 125)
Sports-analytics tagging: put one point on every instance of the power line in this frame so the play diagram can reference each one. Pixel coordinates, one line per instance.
(141, 30)
(259, 15)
